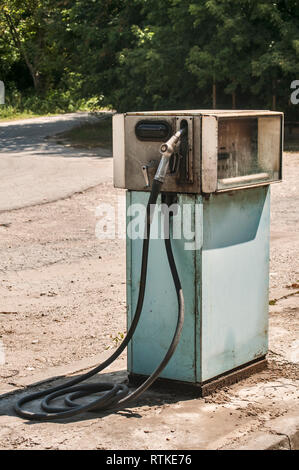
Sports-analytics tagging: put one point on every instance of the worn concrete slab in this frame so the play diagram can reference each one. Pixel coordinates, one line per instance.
(279, 434)
(238, 417)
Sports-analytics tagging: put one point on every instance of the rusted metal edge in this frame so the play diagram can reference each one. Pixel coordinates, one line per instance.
(203, 389)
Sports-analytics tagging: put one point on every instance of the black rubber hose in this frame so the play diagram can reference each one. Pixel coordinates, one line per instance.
(113, 395)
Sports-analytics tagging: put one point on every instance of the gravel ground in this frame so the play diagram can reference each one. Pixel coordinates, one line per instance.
(285, 228)
(62, 289)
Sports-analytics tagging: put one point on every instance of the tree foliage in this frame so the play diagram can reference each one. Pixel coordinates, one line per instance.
(148, 54)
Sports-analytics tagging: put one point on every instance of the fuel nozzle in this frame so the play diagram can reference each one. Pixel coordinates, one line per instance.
(167, 150)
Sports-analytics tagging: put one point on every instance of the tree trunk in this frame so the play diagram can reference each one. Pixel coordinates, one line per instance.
(274, 94)
(36, 79)
(234, 100)
(214, 95)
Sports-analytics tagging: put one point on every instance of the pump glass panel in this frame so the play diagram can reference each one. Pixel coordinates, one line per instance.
(248, 151)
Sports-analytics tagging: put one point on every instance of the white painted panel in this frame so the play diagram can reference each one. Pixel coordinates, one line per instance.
(209, 153)
(118, 126)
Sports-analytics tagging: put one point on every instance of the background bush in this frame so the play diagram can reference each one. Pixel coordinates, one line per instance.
(64, 55)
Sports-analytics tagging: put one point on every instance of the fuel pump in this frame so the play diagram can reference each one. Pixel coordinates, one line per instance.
(213, 170)
(220, 176)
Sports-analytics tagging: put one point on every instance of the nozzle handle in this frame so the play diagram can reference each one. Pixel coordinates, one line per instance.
(167, 150)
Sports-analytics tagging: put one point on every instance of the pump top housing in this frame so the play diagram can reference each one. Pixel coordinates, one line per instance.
(221, 150)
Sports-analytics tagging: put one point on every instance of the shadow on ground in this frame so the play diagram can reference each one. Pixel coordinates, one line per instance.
(155, 396)
(33, 137)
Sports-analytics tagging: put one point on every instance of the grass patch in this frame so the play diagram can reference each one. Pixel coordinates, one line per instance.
(90, 135)
(9, 113)
(55, 102)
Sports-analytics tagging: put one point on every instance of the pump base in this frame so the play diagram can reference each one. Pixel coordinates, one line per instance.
(205, 388)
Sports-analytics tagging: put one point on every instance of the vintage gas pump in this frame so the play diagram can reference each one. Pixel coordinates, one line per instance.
(221, 171)
(197, 294)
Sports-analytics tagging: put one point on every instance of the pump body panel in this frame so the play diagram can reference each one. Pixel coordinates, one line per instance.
(225, 285)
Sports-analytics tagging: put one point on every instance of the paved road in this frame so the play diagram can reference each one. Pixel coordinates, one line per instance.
(35, 170)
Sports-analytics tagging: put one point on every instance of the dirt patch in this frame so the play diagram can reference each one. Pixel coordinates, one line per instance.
(62, 289)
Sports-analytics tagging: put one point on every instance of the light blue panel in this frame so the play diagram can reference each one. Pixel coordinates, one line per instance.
(235, 267)
(159, 316)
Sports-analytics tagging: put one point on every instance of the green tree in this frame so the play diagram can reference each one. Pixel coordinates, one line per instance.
(249, 45)
(149, 70)
(22, 22)
(143, 54)
(222, 51)
(276, 44)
